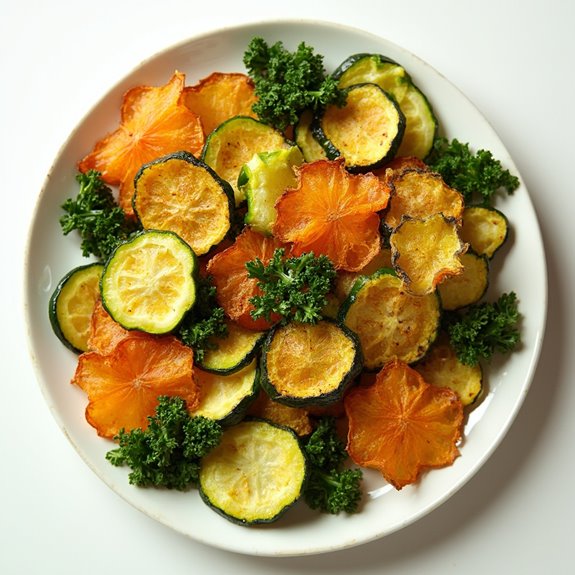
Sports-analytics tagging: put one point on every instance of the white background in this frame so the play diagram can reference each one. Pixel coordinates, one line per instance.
(514, 60)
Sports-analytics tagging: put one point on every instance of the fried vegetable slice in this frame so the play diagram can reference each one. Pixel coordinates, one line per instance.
(401, 425)
(230, 276)
(153, 122)
(219, 97)
(179, 193)
(149, 282)
(390, 322)
(334, 213)
(366, 131)
(310, 364)
(469, 286)
(123, 386)
(227, 397)
(72, 304)
(420, 193)
(441, 367)
(426, 251)
(485, 229)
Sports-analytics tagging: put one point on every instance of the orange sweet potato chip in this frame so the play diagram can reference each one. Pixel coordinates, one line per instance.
(219, 97)
(401, 425)
(334, 213)
(123, 386)
(153, 122)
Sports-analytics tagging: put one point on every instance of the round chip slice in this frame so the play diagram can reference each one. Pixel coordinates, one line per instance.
(149, 282)
(181, 194)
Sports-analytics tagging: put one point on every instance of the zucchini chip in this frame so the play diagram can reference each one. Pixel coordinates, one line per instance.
(420, 193)
(232, 352)
(310, 364)
(181, 194)
(485, 229)
(226, 398)
(306, 141)
(426, 251)
(255, 474)
(390, 322)
(234, 143)
(442, 368)
(72, 304)
(469, 286)
(149, 282)
(366, 132)
(263, 180)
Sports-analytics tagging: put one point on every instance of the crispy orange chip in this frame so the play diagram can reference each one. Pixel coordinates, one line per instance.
(220, 96)
(334, 213)
(154, 121)
(123, 386)
(228, 270)
(401, 425)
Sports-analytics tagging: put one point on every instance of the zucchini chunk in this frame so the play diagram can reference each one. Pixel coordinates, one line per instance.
(441, 367)
(366, 131)
(263, 180)
(306, 141)
(485, 229)
(419, 193)
(255, 474)
(72, 303)
(232, 352)
(390, 322)
(426, 251)
(149, 282)
(469, 286)
(421, 124)
(226, 398)
(309, 364)
(181, 194)
(234, 142)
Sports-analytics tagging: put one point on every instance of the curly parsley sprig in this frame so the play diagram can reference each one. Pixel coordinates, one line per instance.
(294, 288)
(287, 83)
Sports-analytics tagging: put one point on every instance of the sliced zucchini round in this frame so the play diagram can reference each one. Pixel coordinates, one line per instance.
(72, 303)
(366, 131)
(305, 140)
(149, 282)
(425, 252)
(234, 142)
(421, 125)
(181, 194)
(226, 398)
(263, 180)
(469, 286)
(485, 228)
(441, 367)
(234, 351)
(255, 474)
(310, 364)
(390, 322)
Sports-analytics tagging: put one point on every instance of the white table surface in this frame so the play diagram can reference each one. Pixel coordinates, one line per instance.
(514, 60)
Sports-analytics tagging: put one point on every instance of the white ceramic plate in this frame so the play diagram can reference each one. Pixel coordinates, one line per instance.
(50, 255)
